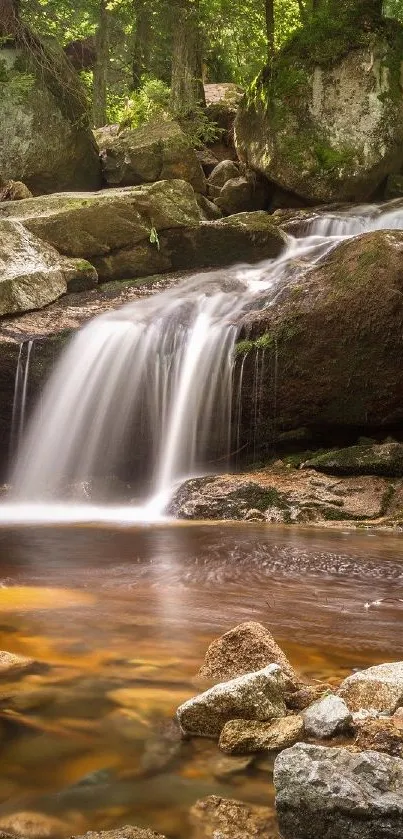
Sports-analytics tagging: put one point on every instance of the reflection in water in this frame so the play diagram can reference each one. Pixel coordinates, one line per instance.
(86, 736)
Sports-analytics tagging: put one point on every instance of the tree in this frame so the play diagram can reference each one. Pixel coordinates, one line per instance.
(141, 41)
(100, 93)
(269, 14)
(9, 17)
(187, 91)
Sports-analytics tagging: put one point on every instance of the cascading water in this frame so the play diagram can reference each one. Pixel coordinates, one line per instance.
(150, 385)
(20, 396)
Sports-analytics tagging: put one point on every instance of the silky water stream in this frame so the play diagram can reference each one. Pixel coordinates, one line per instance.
(117, 616)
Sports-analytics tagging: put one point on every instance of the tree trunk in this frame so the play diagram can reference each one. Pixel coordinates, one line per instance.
(187, 90)
(141, 41)
(101, 67)
(9, 16)
(269, 9)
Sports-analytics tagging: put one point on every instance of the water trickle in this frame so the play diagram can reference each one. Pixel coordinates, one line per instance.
(147, 391)
(20, 395)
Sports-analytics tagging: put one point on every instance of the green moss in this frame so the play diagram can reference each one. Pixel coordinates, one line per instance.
(330, 159)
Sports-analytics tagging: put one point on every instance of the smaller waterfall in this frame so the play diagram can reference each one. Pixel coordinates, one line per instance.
(20, 395)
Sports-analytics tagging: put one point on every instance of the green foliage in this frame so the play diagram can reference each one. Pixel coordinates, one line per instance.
(154, 238)
(198, 127)
(150, 103)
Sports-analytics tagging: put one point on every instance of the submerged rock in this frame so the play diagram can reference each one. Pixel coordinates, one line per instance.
(244, 649)
(222, 818)
(240, 737)
(327, 717)
(256, 696)
(45, 139)
(333, 792)
(154, 152)
(33, 825)
(385, 459)
(294, 125)
(379, 688)
(127, 832)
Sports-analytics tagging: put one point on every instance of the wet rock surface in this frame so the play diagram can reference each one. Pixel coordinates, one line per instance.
(244, 649)
(333, 792)
(244, 737)
(127, 832)
(257, 696)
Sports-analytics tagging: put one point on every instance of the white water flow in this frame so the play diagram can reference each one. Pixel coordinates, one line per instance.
(20, 395)
(146, 391)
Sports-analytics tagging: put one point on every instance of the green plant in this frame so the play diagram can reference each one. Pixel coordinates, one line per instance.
(154, 238)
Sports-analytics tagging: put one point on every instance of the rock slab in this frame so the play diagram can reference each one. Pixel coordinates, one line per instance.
(240, 737)
(332, 792)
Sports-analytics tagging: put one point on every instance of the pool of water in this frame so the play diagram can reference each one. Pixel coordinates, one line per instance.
(118, 619)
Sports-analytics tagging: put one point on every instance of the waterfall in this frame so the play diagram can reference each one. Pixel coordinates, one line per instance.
(20, 395)
(146, 391)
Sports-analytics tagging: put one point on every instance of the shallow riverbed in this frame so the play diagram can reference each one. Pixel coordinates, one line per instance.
(119, 619)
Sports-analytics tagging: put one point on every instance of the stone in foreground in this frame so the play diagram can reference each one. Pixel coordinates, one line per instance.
(127, 832)
(247, 736)
(256, 696)
(247, 647)
(221, 818)
(327, 717)
(379, 688)
(324, 792)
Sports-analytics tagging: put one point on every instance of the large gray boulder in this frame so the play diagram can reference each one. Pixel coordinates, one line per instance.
(331, 793)
(327, 127)
(45, 139)
(154, 152)
(256, 696)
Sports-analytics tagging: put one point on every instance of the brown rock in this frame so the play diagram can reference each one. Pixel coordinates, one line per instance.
(301, 699)
(13, 191)
(33, 825)
(380, 735)
(244, 649)
(221, 818)
(127, 832)
(379, 688)
(244, 736)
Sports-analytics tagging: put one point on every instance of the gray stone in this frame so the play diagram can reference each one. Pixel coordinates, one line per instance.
(243, 195)
(223, 172)
(255, 696)
(327, 717)
(379, 688)
(248, 736)
(333, 792)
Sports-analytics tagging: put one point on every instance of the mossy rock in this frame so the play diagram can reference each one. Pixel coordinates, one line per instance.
(295, 123)
(385, 460)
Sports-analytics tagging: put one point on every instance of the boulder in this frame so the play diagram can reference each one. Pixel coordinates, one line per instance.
(244, 649)
(335, 341)
(154, 152)
(208, 161)
(45, 139)
(244, 194)
(225, 171)
(300, 699)
(13, 191)
(32, 273)
(385, 459)
(333, 792)
(240, 737)
(379, 688)
(380, 736)
(221, 818)
(209, 210)
(327, 717)
(294, 125)
(256, 696)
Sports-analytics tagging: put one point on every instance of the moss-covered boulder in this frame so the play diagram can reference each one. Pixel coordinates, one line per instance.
(32, 273)
(45, 139)
(326, 122)
(329, 350)
(154, 152)
(385, 459)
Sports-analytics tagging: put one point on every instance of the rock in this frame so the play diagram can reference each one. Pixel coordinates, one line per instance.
(208, 161)
(225, 170)
(154, 152)
(379, 688)
(221, 818)
(295, 125)
(80, 275)
(208, 209)
(127, 832)
(380, 736)
(240, 737)
(162, 749)
(244, 649)
(332, 792)
(300, 699)
(13, 191)
(222, 102)
(256, 696)
(328, 381)
(32, 273)
(385, 459)
(243, 194)
(10, 663)
(327, 717)
(394, 187)
(32, 825)
(45, 140)
(225, 767)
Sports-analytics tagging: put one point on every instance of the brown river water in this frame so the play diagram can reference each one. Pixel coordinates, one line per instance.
(118, 620)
